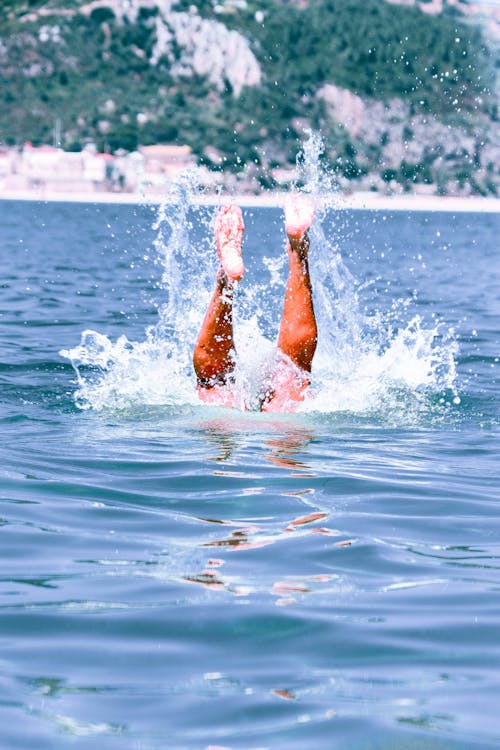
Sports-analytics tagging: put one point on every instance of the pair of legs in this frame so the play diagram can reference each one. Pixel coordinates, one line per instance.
(214, 354)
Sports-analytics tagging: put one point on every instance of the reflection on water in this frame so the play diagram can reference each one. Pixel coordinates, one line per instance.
(212, 579)
(218, 434)
(284, 448)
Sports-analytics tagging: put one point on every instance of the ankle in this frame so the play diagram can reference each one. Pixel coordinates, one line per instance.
(298, 247)
(224, 283)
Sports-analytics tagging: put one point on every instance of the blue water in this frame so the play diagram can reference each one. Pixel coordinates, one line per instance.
(178, 576)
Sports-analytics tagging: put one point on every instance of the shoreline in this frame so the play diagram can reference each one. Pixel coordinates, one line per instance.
(353, 201)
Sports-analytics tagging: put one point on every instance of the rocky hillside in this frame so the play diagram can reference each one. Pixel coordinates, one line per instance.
(403, 94)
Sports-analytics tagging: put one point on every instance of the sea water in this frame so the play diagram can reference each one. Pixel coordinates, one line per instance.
(182, 576)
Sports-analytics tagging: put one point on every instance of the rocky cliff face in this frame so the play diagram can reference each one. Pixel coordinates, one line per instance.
(397, 146)
(205, 48)
(191, 45)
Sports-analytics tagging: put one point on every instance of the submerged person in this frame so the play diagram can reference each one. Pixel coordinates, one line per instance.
(214, 355)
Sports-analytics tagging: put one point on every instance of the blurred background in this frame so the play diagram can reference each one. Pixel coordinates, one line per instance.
(121, 94)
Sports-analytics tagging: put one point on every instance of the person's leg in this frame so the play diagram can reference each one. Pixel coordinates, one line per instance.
(213, 356)
(298, 332)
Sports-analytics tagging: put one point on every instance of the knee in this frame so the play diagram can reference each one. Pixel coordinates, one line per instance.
(304, 346)
(306, 336)
(202, 363)
(210, 365)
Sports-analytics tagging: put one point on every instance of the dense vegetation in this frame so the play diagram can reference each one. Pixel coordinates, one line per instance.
(378, 50)
(100, 72)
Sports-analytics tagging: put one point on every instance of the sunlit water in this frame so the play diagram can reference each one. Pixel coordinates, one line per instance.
(182, 576)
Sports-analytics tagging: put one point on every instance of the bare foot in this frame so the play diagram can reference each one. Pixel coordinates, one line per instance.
(229, 230)
(299, 215)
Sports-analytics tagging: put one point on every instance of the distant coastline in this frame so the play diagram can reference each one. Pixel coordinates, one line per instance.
(357, 200)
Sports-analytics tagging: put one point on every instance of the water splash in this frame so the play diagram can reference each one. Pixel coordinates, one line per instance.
(125, 374)
(188, 268)
(158, 370)
(313, 175)
(364, 364)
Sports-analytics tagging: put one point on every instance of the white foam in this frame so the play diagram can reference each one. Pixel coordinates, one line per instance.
(362, 364)
(125, 374)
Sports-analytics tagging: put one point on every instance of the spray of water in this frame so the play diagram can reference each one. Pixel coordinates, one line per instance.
(158, 370)
(362, 364)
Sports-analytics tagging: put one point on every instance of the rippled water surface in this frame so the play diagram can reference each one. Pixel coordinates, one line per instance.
(176, 576)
